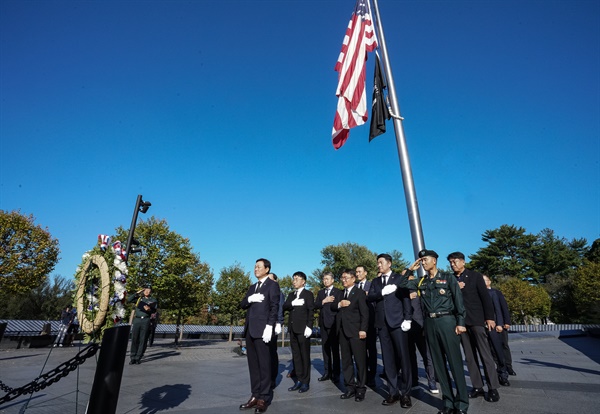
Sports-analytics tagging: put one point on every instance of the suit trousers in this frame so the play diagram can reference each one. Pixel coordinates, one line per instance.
(445, 347)
(371, 352)
(354, 351)
(274, 360)
(301, 356)
(331, 351)
(259, 366)
(506, 348)
(396, 359)
(496, 341)
(416, 340)
(476, 340)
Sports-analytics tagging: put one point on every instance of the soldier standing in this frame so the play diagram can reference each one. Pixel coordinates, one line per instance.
(444, 322)
(145, 306)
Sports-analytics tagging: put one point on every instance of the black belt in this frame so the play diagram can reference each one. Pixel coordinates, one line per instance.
(438, 314)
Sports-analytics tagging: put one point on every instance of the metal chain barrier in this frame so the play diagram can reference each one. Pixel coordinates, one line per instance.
(49, 378)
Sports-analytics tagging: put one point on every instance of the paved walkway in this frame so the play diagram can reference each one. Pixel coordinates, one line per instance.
(554, 375)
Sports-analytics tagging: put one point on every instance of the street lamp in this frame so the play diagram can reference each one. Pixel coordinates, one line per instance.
(140, 207)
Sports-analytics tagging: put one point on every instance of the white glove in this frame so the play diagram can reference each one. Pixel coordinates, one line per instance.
(307, 332)
(257, 297)
(387, 289)
(298, 302)
(406, 326)
(277, 328)
(267, 333)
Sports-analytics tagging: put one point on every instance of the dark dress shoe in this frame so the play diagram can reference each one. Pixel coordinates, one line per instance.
(291, 374)
(460, 412)
(492, 396)
(250, 404)
(347, 395)
(304, 388)
(477, 392)
(446, 410)
(261, 406)
(359, 397)
(504, 382)
(405, 401)
(295, 387)
(132, 362)
(325, 377)
(391, 400)
(511, 372)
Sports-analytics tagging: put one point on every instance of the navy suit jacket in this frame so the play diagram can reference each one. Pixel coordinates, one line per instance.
(393, 308)
(327, 313)
(261, 314)
(352, 319)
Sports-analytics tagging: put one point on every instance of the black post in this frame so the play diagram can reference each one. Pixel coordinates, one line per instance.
(109, 371)
(132, 228)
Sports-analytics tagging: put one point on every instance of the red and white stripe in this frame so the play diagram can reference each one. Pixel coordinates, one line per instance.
(351, 66)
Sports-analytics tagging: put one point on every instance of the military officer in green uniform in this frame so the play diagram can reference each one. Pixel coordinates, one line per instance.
(145, 306)
(444, 312)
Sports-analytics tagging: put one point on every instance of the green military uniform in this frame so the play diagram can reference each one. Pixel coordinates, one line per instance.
(444, 311)
(141, 325)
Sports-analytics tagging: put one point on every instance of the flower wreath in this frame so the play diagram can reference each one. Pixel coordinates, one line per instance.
(97, 294)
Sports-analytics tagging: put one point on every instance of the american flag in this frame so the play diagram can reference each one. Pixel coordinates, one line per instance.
(351, 66)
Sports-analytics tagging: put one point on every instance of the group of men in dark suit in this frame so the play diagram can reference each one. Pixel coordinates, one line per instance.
(402, 310)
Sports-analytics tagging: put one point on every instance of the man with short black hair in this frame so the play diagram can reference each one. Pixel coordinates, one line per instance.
(262, 305)
(364, 284)
(145, 306)
(479, 319)
(300, 304)
(329, 339)
(393, 319)
(444, 321)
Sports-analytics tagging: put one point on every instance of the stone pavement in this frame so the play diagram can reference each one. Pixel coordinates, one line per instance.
(554, 375)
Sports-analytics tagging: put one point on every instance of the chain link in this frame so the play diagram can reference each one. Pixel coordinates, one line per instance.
(50, 377)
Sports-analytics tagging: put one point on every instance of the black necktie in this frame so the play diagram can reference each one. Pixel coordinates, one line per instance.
(385, 280)
(257, 287)
(346, 294)
(361, 285)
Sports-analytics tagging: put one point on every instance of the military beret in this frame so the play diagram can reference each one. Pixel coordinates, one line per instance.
(426, 252)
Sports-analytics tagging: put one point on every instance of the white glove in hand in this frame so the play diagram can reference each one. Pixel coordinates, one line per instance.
(257, 297)
(406, 326)
(387, 289)
(267, 333)
(298, 302)
(307, 332)
(277, 328)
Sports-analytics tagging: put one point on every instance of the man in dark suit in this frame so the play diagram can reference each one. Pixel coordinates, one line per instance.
(262, 305)
(364, 284)
(352, 322)
(479, 319)
(329, 338)
(495, 336)
(393, 319)
(300, 305)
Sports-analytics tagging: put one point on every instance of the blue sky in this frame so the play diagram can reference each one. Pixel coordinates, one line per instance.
(220, 114)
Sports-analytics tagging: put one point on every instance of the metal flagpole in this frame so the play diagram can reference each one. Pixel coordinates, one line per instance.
(414, 218)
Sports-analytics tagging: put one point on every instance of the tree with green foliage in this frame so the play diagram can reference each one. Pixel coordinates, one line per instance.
(28, 253)
(560, 289)
(593, 254)
(231, 287)
(180, 281)
(43, 302)
(586, 292)
(554, 255)
(525, 300)
(509, 252)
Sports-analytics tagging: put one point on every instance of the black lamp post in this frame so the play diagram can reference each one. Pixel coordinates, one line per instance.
(140, 207)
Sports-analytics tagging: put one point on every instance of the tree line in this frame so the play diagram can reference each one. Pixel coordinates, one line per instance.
(542, 275)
